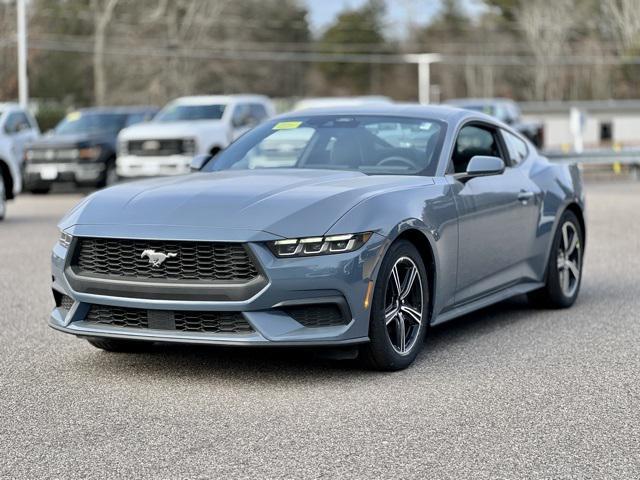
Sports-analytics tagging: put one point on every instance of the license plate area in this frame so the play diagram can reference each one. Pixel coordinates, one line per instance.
(161, 320)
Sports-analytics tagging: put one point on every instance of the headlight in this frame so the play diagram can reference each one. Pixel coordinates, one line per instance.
(309, 246)
(65, 239)
(89, 153)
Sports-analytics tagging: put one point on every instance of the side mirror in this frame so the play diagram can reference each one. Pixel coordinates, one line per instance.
(200, 161)
(481, 166)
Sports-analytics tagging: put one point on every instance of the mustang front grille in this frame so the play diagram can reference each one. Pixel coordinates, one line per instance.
(180, 261)
(185, 321)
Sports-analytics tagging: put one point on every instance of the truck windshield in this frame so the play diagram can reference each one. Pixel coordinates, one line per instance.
(176, 113)
(381, 145)
(81, 122)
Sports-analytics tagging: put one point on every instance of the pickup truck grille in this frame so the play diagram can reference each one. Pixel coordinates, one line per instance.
(183, 261)
(157, 147)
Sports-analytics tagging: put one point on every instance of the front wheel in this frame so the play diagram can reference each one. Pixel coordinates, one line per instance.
(564, 270)
(399, 310)
(3, 198)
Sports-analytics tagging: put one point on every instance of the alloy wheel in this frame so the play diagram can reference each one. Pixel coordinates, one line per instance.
(403, 305)
(569, 259)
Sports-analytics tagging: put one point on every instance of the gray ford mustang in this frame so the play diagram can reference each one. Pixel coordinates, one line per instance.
(336, 227)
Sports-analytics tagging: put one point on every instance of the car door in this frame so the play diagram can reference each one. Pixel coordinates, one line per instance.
(497, 217)
(21, 132)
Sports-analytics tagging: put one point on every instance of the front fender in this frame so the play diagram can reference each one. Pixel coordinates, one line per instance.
(427, 209)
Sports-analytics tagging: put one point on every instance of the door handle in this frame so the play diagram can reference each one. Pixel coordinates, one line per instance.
(524, 196)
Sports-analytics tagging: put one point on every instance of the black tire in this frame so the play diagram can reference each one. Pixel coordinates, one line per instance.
(554, 294)
(381, 353)
(40, 190)
(110, 177)
(120, 346)
(3, 197)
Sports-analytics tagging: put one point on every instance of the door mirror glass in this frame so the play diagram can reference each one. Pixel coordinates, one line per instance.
(199, 161)
(482, 166)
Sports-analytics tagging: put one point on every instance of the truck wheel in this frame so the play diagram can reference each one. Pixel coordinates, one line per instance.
(110, 175)
(3, 198)
(39, 190)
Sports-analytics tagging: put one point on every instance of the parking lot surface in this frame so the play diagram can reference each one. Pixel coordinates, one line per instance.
(509, 392)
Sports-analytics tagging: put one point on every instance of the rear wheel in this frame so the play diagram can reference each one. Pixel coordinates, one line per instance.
(564, 270)
(120, 346)
(3, 197)
(399, 310)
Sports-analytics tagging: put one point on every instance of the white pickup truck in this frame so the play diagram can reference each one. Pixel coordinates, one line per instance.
(186, 127)
(17, 128)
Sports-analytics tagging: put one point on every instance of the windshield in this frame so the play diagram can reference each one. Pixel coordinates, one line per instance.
(174, 113)
(80, 122)
(369, 144)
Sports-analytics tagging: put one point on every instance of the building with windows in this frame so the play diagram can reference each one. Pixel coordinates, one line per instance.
(604, 124)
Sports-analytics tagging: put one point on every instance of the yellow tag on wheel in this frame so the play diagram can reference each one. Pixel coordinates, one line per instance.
(286, 125)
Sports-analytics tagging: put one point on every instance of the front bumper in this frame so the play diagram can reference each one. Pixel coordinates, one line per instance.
(338, 279)
(132, 166)
(48, 173)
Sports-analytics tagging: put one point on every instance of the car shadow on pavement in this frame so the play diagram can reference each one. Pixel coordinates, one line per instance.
(282, 365)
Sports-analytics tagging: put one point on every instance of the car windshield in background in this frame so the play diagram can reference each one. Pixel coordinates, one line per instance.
(369, 144)
(176, 113)
(79, 122)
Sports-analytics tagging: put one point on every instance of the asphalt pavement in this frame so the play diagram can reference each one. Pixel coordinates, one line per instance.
(509, 392)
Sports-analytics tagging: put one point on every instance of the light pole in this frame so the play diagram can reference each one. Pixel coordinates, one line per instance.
(23, 82)
(424, 61)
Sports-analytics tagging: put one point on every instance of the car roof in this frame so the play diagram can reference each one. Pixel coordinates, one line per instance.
(209, 99)
(8, 106)
(478, 101)
(443, 113)
(325, 102)
(122, 109)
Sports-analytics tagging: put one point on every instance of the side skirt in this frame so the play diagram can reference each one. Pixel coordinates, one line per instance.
(486, 301)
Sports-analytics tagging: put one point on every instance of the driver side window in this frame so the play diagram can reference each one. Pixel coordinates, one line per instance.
(16, 122)
(474, 140)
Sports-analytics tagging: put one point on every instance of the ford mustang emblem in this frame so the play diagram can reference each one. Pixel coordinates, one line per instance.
(156, 258)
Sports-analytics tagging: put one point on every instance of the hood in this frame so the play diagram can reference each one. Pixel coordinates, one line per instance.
(71, 140)
(156, 130)
(283, 202)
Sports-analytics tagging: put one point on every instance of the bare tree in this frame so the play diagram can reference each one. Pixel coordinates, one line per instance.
(624, 18)
(103, 12)
(547, 30)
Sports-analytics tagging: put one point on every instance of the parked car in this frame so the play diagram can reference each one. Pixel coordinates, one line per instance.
(351, 240)
(17, 128)
(186, 127)
(330, 102)
(506, 111)
(81, 148)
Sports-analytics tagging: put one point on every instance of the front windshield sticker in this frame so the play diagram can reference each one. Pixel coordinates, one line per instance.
(286, 125)
(73, 116)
